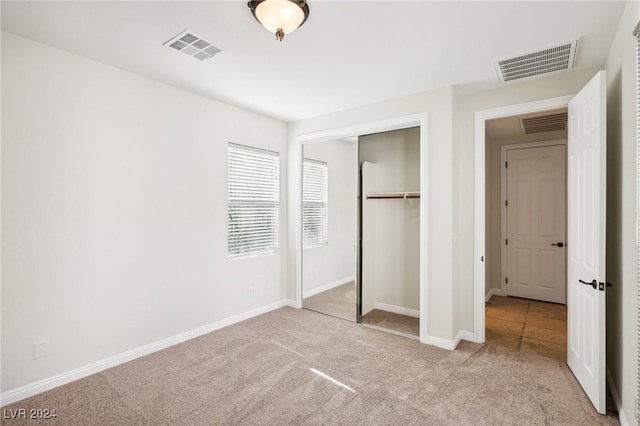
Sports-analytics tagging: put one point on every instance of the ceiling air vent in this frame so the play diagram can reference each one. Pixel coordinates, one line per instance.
(192, 45)
(545, 123)
(553, 59)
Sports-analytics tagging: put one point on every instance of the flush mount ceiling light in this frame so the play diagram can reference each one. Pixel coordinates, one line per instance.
(280, 16)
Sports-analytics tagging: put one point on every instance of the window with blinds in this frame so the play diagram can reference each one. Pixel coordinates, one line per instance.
(315, 185)
(253, 201)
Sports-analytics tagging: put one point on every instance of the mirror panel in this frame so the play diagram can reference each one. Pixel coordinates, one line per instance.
(329, 266)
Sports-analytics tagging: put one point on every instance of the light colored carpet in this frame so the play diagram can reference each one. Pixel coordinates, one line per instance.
(339, 302)
(291, 367)
(392, 321)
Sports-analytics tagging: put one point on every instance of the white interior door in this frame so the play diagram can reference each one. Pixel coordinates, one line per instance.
(586, 239)
(536, 223)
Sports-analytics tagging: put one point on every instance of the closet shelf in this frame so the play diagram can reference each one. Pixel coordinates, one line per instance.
(401, 195)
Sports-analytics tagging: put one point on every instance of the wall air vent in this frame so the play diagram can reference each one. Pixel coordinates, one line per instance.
(544, 123)
(192, 45)
(553, 59)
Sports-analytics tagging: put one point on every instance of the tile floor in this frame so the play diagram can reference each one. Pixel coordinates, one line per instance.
(527, 325)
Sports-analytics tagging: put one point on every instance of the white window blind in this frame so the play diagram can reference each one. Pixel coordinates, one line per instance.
(314, 202)
(253, 200)
(636, 33)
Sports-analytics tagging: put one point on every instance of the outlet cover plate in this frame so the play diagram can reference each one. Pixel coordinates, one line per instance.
(40, 349)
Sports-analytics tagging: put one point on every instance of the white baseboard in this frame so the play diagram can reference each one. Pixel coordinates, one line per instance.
(398, 310)
(440, 342)
(292, 303)
(26, 391)
(449, 344)
(622, 418)
(463, 335)
(493, 292)
(329, 286)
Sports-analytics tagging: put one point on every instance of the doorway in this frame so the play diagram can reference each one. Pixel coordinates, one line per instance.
(526, 232)
(482, 288)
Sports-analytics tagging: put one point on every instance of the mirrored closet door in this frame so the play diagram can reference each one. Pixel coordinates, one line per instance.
(361, 229)
(329, 222)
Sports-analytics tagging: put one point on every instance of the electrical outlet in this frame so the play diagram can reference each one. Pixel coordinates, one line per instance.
(40, 349)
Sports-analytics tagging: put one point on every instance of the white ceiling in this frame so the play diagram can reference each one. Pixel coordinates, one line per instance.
(348, 53)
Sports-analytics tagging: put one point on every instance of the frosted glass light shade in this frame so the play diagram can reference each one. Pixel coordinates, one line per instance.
(280, 16)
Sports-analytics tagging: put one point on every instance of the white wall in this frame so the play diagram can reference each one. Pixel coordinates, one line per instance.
(335, 262)
(395, 240)
(438, 104)
(114, 212)
(622, 359)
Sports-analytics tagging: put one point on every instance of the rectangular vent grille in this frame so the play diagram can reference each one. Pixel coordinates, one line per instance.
(545, 123)
(553, 59)
(192, 45)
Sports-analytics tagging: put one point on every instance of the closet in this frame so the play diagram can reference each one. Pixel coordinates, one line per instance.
(390, 230)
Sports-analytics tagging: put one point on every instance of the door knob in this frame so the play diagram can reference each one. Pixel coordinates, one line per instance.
(558, 244)
(593, 283)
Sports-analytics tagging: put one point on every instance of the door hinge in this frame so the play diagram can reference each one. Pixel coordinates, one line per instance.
(506, 280)
(506, 242)
(506, 203)
(506, 164)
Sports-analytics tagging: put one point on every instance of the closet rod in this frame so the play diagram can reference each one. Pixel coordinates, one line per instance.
(403, 195)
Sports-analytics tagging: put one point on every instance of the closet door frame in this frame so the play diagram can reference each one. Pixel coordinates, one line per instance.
(397, 123)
